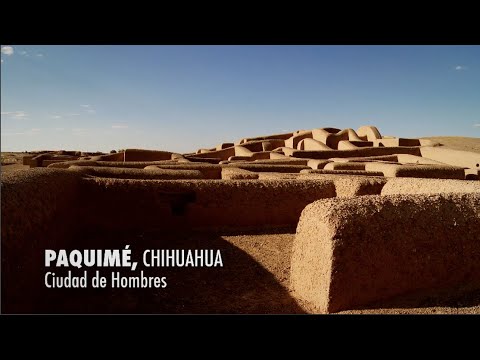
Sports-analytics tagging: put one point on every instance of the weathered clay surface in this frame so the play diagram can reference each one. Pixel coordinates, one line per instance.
(365, 241)
(351, 252)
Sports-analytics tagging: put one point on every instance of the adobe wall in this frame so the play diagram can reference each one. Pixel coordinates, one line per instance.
(369, 133)
(208, 171)
(347, 144)
(238, 174)
(38, 212)
(295, 139)
(351, 185)
(214, 204)
(277, 176)
(47, 208)
(193, 158)
(343, 172)
(262, 145)
(120, 164)
(261, 167)
(150, 172)
(146, 155)
(223, 154)
(350, 165)
(393, 158)
(224, 146)
(396, 142)
(285, 161)
(433, 171)
(332, 139)
(452, 157)
(283, 136)
(360, 152)
(349, 253)
(472, 174)
(311, 144)
(119, 156)
(429, 186)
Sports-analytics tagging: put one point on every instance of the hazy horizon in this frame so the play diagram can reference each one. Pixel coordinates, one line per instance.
(181, 98)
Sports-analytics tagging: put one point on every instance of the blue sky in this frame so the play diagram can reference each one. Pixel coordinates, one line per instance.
(181, 98)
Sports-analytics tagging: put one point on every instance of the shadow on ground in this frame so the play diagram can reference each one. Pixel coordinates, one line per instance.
(241, 286)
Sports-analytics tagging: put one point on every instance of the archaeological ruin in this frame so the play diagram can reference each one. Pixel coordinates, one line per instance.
(315, 221)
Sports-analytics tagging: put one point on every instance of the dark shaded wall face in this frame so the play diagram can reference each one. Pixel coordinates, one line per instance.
(209, 204)
(38, 212)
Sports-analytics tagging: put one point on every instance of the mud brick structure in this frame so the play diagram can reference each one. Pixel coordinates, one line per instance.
(351, 252)
(368, 219)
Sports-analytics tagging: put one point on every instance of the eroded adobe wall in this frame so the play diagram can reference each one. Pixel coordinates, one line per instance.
(213, 204)
(429, 186)
(360, 152)
(351, 185)
(47, 207)
(433, 171)
(351, 252)
(150, 172)
(449, 156)
(125, 164)
(38, 212)
(146, 155)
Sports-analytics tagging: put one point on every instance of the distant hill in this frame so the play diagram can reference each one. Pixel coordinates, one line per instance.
(458, 142)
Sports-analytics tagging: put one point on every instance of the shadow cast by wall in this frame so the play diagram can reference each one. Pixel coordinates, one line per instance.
(242, 285)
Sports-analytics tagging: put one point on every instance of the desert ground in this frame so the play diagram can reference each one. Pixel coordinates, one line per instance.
(265, 260)
(458, 142)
